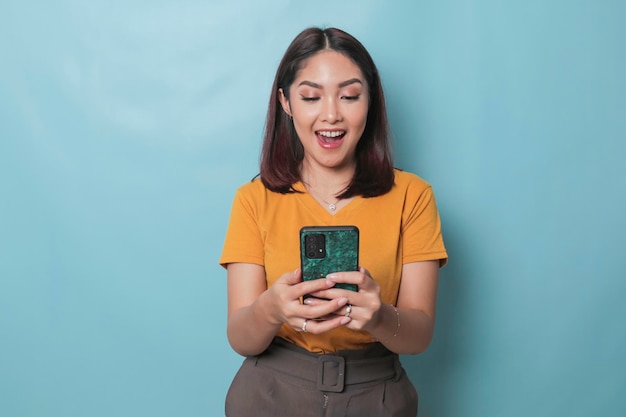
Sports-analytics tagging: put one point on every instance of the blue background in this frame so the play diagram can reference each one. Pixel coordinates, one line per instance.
(125, 128)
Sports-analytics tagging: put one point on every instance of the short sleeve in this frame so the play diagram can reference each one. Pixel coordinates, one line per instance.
(243, 242)
(421, 228)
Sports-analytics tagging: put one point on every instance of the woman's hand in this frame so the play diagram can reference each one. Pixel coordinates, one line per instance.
(255, 313)
(362, 308)
(407, 327)
(281, 304)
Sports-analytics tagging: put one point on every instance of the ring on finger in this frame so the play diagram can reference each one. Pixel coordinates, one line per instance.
(348, 310)
(304, 325)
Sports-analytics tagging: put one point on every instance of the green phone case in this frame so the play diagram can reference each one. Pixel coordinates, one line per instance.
(339, 252)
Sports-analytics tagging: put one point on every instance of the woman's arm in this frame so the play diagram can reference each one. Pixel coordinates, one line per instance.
(250, 331)
(410, 330)
(255, 313)
(406, 329)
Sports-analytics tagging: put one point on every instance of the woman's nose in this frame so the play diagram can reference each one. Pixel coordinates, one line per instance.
(330, 111)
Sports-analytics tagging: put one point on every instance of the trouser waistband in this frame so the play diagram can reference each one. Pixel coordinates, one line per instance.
(331, 373)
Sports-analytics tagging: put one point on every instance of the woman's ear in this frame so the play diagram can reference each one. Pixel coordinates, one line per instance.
(284, 102)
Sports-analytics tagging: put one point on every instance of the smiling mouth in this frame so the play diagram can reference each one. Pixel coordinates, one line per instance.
(330, 136)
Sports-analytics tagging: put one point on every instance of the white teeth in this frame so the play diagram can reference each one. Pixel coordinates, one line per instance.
(332, 134)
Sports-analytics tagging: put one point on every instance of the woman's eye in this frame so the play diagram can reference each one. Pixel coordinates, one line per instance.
(310, 98)
(352, 98)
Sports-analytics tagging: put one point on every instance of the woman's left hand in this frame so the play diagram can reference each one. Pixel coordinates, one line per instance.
(363, 306)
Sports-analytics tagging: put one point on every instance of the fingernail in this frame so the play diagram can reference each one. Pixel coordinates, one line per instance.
(331, 276)
(345, 320)
(308, 301)
(330, 283)
(342, 302)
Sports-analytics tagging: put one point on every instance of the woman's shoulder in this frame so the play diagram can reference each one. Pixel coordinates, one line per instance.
(407, 180)
(255, 185)
(255, 190)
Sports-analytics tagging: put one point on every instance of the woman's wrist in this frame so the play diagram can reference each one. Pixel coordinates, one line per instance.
(397, 314)
(388, 324)
(262, 308)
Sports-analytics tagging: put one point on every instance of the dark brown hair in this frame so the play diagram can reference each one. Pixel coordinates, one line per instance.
(282, 151)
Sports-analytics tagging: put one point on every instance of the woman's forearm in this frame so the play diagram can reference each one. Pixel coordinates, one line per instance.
(403, 331)
(250, 329)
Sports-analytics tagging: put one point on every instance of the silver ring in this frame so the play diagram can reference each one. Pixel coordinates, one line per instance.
(348, 310)
(304, 325)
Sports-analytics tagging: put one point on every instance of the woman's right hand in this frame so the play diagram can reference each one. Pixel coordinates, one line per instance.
(255, 312)
(281, 303)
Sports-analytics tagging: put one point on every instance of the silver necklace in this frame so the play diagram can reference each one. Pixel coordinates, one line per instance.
(331, 206)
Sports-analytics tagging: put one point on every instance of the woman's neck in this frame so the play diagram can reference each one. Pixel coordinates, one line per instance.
(326, 182)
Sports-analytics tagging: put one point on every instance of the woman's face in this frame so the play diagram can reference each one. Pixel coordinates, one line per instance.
(328, 101)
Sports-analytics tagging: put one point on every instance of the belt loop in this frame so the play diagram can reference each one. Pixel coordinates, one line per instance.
(331, 373)
(398, 368)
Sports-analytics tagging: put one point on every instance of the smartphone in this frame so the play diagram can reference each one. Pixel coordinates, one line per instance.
(326, 249)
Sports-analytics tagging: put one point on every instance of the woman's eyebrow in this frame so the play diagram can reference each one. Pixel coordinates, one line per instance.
(341, 84)
(310, 84)
(350, 81)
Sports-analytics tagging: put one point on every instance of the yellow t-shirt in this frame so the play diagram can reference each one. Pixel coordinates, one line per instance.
(399, 227)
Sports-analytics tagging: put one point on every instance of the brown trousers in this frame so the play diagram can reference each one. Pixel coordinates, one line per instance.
(288, 381)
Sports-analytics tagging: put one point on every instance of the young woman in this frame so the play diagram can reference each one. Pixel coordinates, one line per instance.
(326, 160)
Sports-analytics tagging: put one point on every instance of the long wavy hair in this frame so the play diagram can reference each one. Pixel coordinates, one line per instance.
(282, 151)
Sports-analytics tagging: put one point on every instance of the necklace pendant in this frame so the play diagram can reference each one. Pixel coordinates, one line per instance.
(332, 207)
